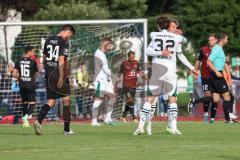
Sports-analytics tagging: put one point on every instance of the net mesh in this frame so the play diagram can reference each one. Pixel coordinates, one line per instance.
(82, 47)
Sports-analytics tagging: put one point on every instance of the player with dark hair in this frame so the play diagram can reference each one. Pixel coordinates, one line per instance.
(56, 51)
(207, 100)
(25, 70)
(130, 70)
(165, 47)
(216, 62)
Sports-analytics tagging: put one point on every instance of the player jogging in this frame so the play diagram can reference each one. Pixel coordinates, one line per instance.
(24, 70)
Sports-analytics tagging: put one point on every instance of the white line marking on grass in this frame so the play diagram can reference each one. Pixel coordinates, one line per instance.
(116, 147)
(62, 149)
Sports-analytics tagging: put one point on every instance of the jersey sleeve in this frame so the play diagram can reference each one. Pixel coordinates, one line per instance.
(64, 48)
(184, 61)
(150, 49)
(213, 54)
(179, 45)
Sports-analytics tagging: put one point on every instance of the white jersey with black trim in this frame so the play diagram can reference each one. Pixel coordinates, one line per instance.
(162, 40)
(102, 73)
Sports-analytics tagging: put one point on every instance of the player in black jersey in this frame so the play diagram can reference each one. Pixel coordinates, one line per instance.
(24, 70)
(56, 51)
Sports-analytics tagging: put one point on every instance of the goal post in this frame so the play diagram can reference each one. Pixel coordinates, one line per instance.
(127, 34)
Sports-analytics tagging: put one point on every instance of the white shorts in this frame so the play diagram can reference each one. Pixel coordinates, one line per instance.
(162, 83)
(103, 88)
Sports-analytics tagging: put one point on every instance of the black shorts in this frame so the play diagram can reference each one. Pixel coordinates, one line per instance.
(219, 84)
(129, 92)
(27, 94)
(207, 85)
(53, 92)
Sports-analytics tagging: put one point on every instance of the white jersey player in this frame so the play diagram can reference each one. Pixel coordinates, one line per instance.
(102, 74)
(165, 46)
(102, 83)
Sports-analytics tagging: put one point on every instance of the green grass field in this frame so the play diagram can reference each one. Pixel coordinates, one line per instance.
(217, 141)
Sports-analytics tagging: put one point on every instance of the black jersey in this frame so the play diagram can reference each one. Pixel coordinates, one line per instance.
(54, 47)
(26, 68)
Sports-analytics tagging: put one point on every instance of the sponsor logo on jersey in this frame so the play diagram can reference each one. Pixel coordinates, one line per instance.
(53, 41)
(52, 64)
(165, 57)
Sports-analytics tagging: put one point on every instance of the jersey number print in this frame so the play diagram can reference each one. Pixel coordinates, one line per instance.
(52, 53)
(160, 44)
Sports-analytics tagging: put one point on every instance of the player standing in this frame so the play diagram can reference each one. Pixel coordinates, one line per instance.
(103, 83)
(130, 70)
(216, 62)
(25, 70)
(207, 100)
(56, 51)
(164, 47)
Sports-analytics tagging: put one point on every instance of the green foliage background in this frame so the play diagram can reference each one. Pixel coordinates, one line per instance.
(197, 18)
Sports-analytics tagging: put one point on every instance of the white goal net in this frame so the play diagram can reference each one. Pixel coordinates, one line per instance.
(126, 34)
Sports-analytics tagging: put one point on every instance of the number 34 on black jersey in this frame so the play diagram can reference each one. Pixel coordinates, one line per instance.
(54, 47)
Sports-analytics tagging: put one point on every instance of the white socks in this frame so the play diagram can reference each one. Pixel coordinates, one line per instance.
(172, 116)
(95, 109)
(144, 115)
(109, 109)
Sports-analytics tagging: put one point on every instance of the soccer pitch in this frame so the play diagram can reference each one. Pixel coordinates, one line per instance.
(199, 142)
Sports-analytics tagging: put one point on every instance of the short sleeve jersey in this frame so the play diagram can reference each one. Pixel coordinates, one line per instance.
(130, 69)
(26, 68)
(217, 57)
(54, 47)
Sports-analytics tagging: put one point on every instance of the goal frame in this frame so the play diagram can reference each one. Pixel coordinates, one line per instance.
(143, 22)
(88, 22)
